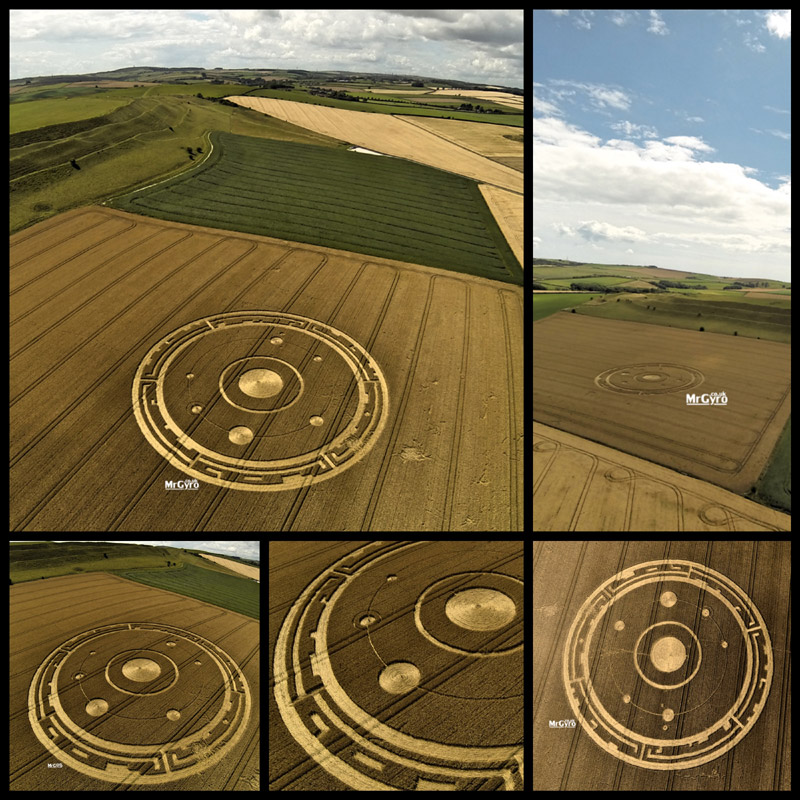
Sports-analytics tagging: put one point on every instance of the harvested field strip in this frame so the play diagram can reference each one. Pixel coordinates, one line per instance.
(388, 135)
(640, 405)
(449, 346)
(349, 201)
(226, 591)
(572, 491)
(197, 658)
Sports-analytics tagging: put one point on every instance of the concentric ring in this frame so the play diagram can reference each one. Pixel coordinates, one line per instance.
(619, 739)
(338, 441)
(650, 378)
(89, 744)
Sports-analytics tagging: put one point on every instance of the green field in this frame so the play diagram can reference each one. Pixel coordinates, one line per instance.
(715, 312)
(368, 204)
(226, 591)
(36, 560)
(170, 568)
(546, 304)
(548, 270)
(775, 484)
(134, 145)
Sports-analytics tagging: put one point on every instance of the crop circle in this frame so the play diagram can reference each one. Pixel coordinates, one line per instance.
(651, 378)
(367, 596)
(652, 664)
(105, 702)
(302, 402)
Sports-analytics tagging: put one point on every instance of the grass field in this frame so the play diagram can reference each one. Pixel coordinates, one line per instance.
(36, 560)
(350, 201)
(547, 269)
(546, 304)
(226, 591)
(136, 144)
(775, 484)
(717, 312)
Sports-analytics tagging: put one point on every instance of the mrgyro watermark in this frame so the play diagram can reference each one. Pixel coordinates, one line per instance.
(710, 399)
(562, 723)
(181, 486)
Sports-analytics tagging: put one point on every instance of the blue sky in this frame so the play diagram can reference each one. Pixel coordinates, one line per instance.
(663, 137)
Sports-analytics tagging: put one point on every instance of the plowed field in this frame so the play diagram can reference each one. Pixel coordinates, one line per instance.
(303, 388)
(118, 686)
(624, 384)
(387, 134)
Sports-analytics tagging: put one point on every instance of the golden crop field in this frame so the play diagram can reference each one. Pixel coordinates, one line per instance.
(579, 485)
(492, 141)
(135, 688)
(508, 209)
(166, 376)
(503, 98)
(624, 384)
(388, 134)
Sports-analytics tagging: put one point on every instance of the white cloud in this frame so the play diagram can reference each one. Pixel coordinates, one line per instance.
(600, 96)
(633, 129)
(657, 24)
(593, 230)
(779, 23)
(661, 193)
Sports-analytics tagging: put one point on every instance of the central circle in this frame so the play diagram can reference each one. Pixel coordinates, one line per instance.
(652, 377)
(668, 654)
(480, 609)
(141, 670)
(260, 383)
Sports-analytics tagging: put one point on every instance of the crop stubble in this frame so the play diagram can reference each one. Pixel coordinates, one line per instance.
(83, 316)
(39, 624)
(728, 445)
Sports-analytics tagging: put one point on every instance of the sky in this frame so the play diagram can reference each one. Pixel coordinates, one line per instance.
(484, 46)
(663, 137)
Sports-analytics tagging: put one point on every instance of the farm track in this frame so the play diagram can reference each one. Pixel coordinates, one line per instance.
(728, 445)
(565, 575)
(465, 705)
(579, 485)
(386, 134)
(84, 313)
(39, 624)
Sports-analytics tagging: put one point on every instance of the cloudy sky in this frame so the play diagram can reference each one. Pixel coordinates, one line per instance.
(472, 45)
(663, 137)
(241, 549)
